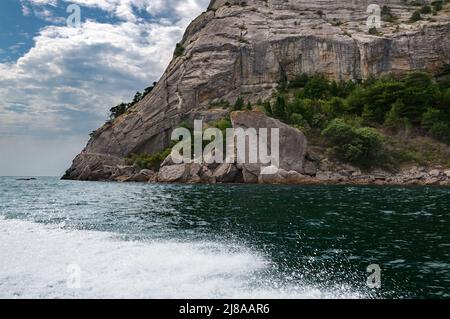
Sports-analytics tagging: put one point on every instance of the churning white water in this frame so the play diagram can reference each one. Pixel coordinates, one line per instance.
(34, 261)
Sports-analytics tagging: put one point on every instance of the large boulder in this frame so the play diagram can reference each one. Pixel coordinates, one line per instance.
(186, 173)
(227, 173)
(173, 173)
(292, 149)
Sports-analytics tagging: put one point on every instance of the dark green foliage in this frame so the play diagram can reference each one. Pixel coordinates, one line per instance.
(297, 119)
(123, 107)
(430, 117)
(239, 104)
(420, 92)
(437, 5)
(137, 97)
(414, 101)
(373, 99)
(268, 108)
(335, 106)
(299, 81)
(317, 87)
(373, 31)
(283, 81)
(118, 110)
(425, 9)
(149, 89)
(434, 122)
(415, 16)
(441, 131)
(444, 104)
(361, 146)
(387, 15)
(341, 89)
(147, 161)
(378, 99)
(279, 109)
(393, 118)
(249, 106)
(179, 50)
(222, 124)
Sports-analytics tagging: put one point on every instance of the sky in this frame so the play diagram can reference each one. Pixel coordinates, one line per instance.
(58, 80)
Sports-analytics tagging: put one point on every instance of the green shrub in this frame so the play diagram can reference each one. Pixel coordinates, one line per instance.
(267, 108)
(430, 117)
(440, 131)
(373, 31)
(387, 15)
(341, 89)
(179, 50)
(355, 100)
(297, 119)
(393, 118)
(304, 107)
(147, 161)
(420, 91)
(239, 104)
(397, 102)
(415, 16)
(299, 81)
(283, 81)
(335, 107)
(359, 146)
(437, 5)
(317, 87)
(222, 124)
(379, 97)
(425, 9)
(279, 109)
(118, 110)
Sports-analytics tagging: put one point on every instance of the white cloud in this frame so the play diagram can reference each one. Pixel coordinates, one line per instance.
(26, 10)
(47, 15)
(126, 9)
(85, 70)
(65, 85)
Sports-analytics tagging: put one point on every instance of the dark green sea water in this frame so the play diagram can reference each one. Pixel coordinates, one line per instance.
(136, 240)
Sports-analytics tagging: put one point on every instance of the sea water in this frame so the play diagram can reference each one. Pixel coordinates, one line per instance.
(221, 241)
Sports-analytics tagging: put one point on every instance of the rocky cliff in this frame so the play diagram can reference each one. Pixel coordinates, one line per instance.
(241, 48)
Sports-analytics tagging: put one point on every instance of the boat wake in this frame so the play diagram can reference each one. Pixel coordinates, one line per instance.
(36, 261)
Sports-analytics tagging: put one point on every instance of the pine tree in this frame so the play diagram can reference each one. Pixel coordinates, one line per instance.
(268, 108)
(279, 109)
(239, 105)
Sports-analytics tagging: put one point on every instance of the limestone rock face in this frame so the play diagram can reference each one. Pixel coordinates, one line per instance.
(234, 49)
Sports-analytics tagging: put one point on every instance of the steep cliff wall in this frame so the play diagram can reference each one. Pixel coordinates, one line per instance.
(242, 47)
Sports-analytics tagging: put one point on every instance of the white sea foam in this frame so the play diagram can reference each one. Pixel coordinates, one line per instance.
(34, 260)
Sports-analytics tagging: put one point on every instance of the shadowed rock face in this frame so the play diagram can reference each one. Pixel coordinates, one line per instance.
(235, 49)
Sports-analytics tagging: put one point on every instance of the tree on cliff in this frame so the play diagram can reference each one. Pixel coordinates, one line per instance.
(118, 110)
(279, 109)
(239, 105)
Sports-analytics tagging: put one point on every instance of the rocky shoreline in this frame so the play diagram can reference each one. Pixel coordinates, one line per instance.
(237, 174)
(298, 165)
